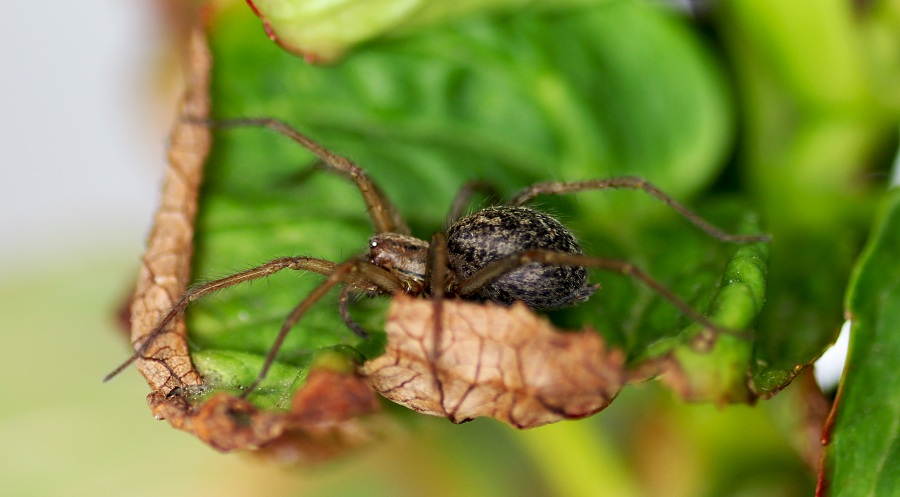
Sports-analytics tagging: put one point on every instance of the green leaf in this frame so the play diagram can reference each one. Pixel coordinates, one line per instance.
(590, 92)
(325, 30)
(719, 372)
(862, 456)
(813, 126)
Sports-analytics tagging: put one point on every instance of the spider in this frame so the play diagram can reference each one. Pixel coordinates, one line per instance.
(500, 254)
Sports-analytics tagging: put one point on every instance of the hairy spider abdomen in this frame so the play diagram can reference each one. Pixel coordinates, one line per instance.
(487, 235)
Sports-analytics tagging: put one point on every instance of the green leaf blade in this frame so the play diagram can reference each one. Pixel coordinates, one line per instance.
(862, 456)
(720, 373)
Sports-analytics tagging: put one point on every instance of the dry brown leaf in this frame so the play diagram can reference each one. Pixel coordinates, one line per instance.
(324, 420)
(502, 362)
(166, 265)
(328, 415)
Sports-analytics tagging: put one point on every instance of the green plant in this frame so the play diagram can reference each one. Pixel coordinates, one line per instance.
(766, 117)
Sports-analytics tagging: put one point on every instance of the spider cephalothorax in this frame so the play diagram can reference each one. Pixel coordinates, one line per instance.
(403, 256)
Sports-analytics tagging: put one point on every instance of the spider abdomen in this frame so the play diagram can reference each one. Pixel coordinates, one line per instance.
(489, 234)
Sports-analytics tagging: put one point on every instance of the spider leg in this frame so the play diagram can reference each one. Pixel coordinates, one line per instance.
(353, 270)
(632, 183)
(503, 265)
(195, 293)
(384, 216)
(344, 310)
(436, 266)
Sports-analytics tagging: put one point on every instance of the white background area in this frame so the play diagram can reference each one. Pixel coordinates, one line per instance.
(81, 153)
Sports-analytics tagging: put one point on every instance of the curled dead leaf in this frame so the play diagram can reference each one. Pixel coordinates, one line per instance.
(324, 420)
(166, 264)
(502, 362)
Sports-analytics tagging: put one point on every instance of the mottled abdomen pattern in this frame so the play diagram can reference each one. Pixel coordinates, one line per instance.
(489, 234)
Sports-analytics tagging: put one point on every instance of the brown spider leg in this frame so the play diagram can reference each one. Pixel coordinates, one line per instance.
(464, 195)
(633, 183)
(353, 270)
(508, 263)
(198, 292)
(384, 216)
(344, 311)
(436, 282)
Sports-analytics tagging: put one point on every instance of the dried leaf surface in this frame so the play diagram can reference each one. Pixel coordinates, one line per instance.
(502, 362)
(165, 268)
(324, 420)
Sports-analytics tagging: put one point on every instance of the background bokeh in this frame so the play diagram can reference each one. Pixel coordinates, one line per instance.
(87, 104)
